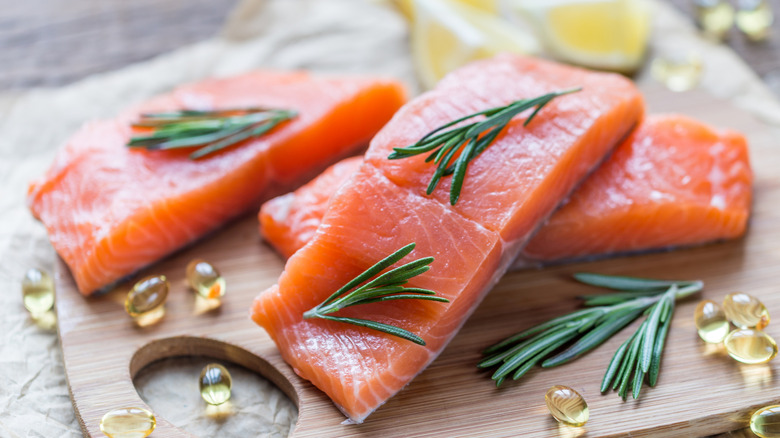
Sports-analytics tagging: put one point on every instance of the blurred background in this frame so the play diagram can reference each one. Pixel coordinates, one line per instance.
(52, 42)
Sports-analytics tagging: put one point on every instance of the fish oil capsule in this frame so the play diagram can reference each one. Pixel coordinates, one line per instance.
(677, 73)
(765, 422)
(146, 300)
(750, 346)
(754, 18)
(37, 291)
(567, 405)
(215, 384)
(745, 311)
(205, 279)
(711, 322)
(128, 423)
(715, 17)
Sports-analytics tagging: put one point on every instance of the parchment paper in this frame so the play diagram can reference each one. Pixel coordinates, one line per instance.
(327, 36)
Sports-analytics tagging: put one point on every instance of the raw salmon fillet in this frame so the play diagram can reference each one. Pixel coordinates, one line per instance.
(674, 182)
(509, 190)
(111, 210)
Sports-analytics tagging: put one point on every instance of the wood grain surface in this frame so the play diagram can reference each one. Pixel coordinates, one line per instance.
(701, 391)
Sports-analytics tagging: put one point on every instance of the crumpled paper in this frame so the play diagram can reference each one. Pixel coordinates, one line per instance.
(335, 36)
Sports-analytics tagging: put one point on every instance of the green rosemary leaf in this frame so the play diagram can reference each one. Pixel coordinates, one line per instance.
(470, 140)
(614, 297)
(535, 348)
(372, 271)
(650, 332)
(405, 297)
(624, 363)
(210, 131)
(655, 364)
(639, 379)
(626, 283)
(539, 328)
(614, 364)
(388, 286)
(567, 337)
(386, 328)
(630, 363)
(594, 338)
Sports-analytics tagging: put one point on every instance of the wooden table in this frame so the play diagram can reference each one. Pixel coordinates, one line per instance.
(53, 42)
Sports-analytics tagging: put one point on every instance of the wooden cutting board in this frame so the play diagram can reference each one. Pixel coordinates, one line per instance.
(700, 392)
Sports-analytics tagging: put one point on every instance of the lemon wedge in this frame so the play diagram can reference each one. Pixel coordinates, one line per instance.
(602, 34)
(447, 34)
(488, 6)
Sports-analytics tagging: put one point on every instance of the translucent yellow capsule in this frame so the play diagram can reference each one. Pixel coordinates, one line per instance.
(765, 422)
(215, 384)
(567, 405)
(715, 17)
(754, 18)
(711, 322)
(128, 423)
(678, 73)
(750, 346)
(146, 300)
(745, 311)
(205, 279)
(37, 291)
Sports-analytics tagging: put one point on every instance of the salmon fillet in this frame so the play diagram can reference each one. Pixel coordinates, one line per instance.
(674, 182)
(509, 190)
(110, 210)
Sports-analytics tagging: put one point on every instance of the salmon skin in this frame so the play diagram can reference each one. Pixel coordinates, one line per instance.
(110, 210)
(509, 190)
(674, 182)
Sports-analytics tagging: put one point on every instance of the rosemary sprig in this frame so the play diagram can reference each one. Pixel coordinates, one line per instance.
(210, 131)
(567, 337)
(386, 287)
(452, 150)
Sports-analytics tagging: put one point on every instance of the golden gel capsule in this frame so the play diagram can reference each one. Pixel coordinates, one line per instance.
(750, 346)
(37, 291)
(146, 300)
(679, 73)
(205, 279)
(711, 322)
(128, 423)
(215, 384)
(765, 422)
(754, 18)
(715, 17)
(567, 405)
(745, 311)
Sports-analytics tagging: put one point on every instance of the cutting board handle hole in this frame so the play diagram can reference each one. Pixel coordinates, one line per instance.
(198, 346)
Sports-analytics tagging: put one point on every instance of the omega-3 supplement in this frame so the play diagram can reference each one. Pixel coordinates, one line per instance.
(745, 311)
(711, 322)
(677, 73)
(750, 346)
(765, 422)
(754, 18)
(205, 279)
(715, 17)
(146, 300)
(37, 291)
(567, 405)
(215, 384)
(128, 423)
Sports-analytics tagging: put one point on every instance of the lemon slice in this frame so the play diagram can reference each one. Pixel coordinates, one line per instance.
(603, 34)
(447, 34)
